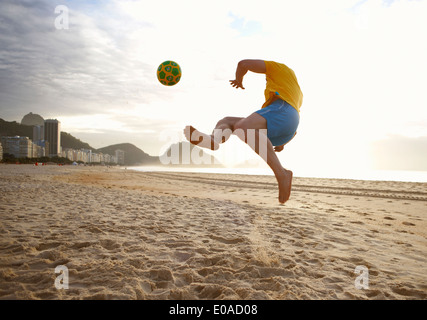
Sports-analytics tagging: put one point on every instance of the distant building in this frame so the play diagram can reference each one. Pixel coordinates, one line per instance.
(38, 139)
(87, 156)
(95, 158)
(81, 155)
(19, 147)
(38, 133)
(44, 148)
(52, 134)
(120, 157)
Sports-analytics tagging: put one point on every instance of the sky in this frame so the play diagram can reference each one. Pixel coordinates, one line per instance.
(361, 66)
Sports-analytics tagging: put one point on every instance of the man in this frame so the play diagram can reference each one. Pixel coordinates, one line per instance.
(273, 126)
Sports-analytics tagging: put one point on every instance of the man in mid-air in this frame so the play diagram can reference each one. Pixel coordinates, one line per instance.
(273, 126)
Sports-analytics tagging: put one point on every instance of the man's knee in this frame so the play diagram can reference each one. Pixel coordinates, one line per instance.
(241, 125)
(228, 122)
(225, 120)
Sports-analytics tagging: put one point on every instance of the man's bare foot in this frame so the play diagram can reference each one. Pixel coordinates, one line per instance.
(200, 139)
(285, 185)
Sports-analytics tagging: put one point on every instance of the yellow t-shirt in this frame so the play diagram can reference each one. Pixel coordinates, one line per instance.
(282, 83)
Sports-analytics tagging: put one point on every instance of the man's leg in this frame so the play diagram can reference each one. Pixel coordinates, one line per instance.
(220, 134)
(263, 147)
(242, 127)
(224, 128)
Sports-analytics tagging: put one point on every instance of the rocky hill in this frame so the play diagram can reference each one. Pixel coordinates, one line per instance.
(133, 155)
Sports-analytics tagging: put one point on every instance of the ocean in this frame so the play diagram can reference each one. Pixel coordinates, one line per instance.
(378, 175)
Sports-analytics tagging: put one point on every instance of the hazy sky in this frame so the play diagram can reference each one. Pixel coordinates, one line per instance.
(361, 65)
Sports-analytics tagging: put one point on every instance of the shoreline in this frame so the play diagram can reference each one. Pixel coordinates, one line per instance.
(125, 234)
(369, 175)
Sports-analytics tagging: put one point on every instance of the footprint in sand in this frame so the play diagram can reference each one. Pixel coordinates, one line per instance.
(109, 244)
(227, 241)
(45, 246)
(79, 245)
(408, 223)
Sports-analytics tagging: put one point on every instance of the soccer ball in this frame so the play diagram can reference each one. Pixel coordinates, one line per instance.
(169, 73)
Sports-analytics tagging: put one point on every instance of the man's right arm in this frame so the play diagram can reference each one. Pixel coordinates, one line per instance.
(257, 66)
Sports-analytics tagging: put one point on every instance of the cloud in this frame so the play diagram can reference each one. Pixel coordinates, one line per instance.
(61, 72)
(244, 27)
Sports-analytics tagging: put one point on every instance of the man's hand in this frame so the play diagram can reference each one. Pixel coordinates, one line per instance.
(257, 66)
(279, 148)
(236, 84)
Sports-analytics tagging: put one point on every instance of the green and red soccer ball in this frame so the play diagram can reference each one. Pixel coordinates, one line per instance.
(169, 73)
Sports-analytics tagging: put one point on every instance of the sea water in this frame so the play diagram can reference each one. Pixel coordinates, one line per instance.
(378, 175)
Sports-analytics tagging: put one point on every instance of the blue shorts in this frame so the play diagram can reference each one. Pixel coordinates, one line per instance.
(282, 121)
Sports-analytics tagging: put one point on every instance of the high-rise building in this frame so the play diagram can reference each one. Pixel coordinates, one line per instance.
(52, 134)
(38, 133)
(120, 157)
(38, 139)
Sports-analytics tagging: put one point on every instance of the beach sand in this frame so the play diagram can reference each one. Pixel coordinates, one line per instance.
(123, 234)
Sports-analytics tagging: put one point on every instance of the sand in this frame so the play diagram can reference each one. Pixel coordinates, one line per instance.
(123, 234)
